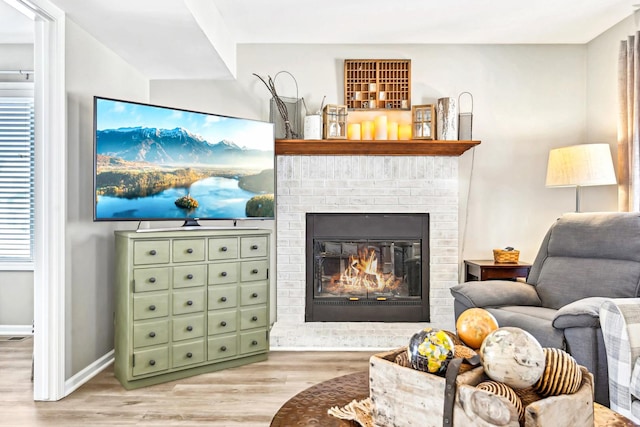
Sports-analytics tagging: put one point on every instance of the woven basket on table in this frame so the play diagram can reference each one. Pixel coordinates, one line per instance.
(502, 256)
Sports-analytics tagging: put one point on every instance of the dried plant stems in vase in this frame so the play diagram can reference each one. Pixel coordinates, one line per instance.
(282, 108)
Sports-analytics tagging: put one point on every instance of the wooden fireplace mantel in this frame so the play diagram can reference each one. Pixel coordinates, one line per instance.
(344, 147)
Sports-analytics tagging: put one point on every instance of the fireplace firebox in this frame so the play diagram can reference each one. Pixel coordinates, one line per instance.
(367, 267)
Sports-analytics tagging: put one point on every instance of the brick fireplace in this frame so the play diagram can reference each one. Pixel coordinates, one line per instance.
(367, 267)
(362, 184)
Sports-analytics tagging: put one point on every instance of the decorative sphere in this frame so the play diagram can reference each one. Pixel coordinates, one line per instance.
(512, 356)
(430, 350)
(473, 326)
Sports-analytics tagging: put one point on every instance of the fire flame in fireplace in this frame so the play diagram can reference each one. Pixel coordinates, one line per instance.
(362, 274)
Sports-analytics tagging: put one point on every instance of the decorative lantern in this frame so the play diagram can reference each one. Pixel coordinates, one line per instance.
(334, 118)
(423, 121)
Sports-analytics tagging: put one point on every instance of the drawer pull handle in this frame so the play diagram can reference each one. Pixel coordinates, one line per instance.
(189, 355)
(223, 299)
(152, 252)
(189, 276)
(254, 342)
(189, 328)
(223, 348)
(254, 271)
(223, 323)
(152, 362)
(254, 318)
(189, 251)
(152, 280)
(223, 274)
(189, 302)
(152, 307)
(152, 334)
(254, 295)
(254, 247)
(224, 249)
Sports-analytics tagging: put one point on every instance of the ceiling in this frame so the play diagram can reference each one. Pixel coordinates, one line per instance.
(196, 39)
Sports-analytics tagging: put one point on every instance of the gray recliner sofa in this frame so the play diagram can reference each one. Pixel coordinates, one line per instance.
(584, 259)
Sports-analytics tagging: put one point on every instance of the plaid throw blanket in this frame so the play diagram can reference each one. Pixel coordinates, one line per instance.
(620, 322)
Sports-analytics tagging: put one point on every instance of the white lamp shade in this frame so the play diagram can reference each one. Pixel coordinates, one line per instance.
(580, 165)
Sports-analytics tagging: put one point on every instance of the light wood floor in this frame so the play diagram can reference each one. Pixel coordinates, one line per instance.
(245, 396)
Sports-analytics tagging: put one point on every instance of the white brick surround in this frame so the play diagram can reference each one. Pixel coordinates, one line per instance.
(361, 184)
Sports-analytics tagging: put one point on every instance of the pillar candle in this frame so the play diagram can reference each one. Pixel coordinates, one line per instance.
(404, 132)
(380, 123)
(367, 130)
(392, 131)
(353, 131)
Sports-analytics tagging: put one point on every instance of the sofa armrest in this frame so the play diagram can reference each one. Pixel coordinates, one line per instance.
(620, 322)
(495, 293)
(584, 313)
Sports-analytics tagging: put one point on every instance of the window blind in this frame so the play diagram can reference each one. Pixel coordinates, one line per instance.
(16, 179)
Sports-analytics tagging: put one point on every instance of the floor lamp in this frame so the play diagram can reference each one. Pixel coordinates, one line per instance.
(580, 166)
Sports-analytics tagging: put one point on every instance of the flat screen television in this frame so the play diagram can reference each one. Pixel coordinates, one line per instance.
(155, 163)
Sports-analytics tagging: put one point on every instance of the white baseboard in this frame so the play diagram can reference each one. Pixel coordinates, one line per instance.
(73, 383)
(19, 330)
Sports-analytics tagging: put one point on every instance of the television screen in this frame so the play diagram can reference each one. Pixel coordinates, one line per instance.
(160, 163)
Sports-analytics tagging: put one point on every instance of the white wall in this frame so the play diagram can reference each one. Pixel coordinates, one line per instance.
(16, 287)
(528, 99)
(92, 70)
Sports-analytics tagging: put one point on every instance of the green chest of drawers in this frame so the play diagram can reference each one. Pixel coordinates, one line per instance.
(189, 302)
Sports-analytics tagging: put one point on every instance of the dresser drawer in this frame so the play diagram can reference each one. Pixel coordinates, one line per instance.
(253, 317)
(253, 341)
(151, 252)
(189, 301)
(188, 327)
(150, 361)
(223, 248)
(147, 333)
(253, 247)
(221, 347)
(221, 297)
(255, 293)
(151, 279)
(150, 306)
(188, 250)
(221, 322)
(222, 273)
(188, 353)
(254, 270)
(189, 275)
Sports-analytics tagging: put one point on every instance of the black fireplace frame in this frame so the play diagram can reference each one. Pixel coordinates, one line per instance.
(410, 226)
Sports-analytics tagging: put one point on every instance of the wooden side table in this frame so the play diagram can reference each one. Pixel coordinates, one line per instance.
(491, 270)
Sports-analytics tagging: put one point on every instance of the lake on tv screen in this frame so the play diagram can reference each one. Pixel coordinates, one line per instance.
(217, 198)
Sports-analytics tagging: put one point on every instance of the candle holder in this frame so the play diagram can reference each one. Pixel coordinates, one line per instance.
(334, 118)
(423, 121)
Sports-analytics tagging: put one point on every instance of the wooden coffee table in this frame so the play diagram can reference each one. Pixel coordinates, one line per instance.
(309, 407)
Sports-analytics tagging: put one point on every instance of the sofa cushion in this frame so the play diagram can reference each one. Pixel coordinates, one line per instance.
(605, 235)
(584, 313)
(563, 280)
(535, 320)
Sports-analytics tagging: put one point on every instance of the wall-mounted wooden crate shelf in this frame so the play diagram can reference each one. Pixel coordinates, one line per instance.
(371, 84)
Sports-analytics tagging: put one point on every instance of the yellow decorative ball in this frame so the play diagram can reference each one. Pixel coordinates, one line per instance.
(430, 350)
(473, 326)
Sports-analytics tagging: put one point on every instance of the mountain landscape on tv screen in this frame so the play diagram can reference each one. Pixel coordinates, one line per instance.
(143, 165)
(174, 147)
